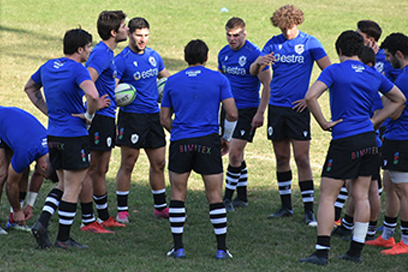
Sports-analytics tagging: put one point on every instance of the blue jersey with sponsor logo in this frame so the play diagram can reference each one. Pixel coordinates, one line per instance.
(140, 70)
(354, 87)
(398, 129)
(24, 134)
(235, 66)
(102, 60)
(293, 66)
(60, 79)
(195, 94)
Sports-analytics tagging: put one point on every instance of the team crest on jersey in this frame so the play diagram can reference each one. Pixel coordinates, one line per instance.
(379, 66)
(134, 138)
(152, 61)
(135, 63)
(358, 68)
(242, 60)
(299, 48)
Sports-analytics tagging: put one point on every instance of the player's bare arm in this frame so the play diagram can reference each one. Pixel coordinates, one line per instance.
(265, 78)
(165, 118)
(163, 73)
(323, 62)
(312, 95)
(33, 91)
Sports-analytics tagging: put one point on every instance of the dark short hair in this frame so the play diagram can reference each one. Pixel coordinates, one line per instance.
(138, 23)
(370, 28)
(195, 52)
(350, 43)
(235, 22)
(396, 42)
(367, 55)
(108, 21)
(74, 39)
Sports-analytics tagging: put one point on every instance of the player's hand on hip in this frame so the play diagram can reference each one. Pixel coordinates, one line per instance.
(103, 102)
(299, 105)
(224, 146)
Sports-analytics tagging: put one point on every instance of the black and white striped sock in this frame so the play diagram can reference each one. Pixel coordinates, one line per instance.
(177, 213)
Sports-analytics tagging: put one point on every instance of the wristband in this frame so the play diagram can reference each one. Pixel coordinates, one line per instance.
(89, 117)
(31, 197)
(229, 128)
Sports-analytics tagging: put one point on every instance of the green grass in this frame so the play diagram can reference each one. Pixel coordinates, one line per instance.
(31, 32)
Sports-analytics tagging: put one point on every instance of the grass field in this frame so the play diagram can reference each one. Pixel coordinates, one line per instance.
(31, 32)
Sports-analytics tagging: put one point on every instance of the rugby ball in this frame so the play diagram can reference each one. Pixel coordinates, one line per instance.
(124, 94)
(160, 87)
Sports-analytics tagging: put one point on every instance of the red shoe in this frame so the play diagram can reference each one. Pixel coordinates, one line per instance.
(399, 248)
(95, 227)
(162, 214)
(381, 242)
(337, 223)
(112, 223)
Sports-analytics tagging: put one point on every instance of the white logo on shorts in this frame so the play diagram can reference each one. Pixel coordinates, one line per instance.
(89, 157)
(385, 162)
(109, 141)
(299, 48)
(305, 133)
(270, 131)
(242, 132)
(134, 138)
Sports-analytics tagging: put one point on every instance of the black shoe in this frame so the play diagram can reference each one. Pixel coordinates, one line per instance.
(313, 259)
(310, 219)
(342, 232)
(347, 257)
(237, 202)
(370, 237)
(228, 205)
(41, 235)
(283, 212)
(69, 243)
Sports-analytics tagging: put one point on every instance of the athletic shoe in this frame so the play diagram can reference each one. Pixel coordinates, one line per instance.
(399, 248)
(16, 226)
(342, 232)
(95, 227)
(162, 214)
(237, 202)
(337, 223)
(122, 217)
(179, 253)
(41, 235)
(310, 219)
(2, 231)
(228, 205)
(69, 243)
(313, 259)
(223, 254)
(351, 258)
(283, 212)
(381, 242)
(110, 223)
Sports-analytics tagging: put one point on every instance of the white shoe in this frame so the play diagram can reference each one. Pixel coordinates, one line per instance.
(2, 231)
(18, 227)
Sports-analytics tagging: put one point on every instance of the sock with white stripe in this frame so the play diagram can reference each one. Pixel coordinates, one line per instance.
(66, 214)
(88, 216)
(102, 206)
(404, 232)
(218, 217)
(122, 200)
(339, 204)
(347, 223)
(231, 181)
(243, 183)
(285, 191)
(390, 223)
(177, 213)
(159, 198)
(323, 246)
(50, 206)
(307, 191)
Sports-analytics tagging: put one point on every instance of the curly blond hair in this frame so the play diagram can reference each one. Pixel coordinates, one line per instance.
(287, 17)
